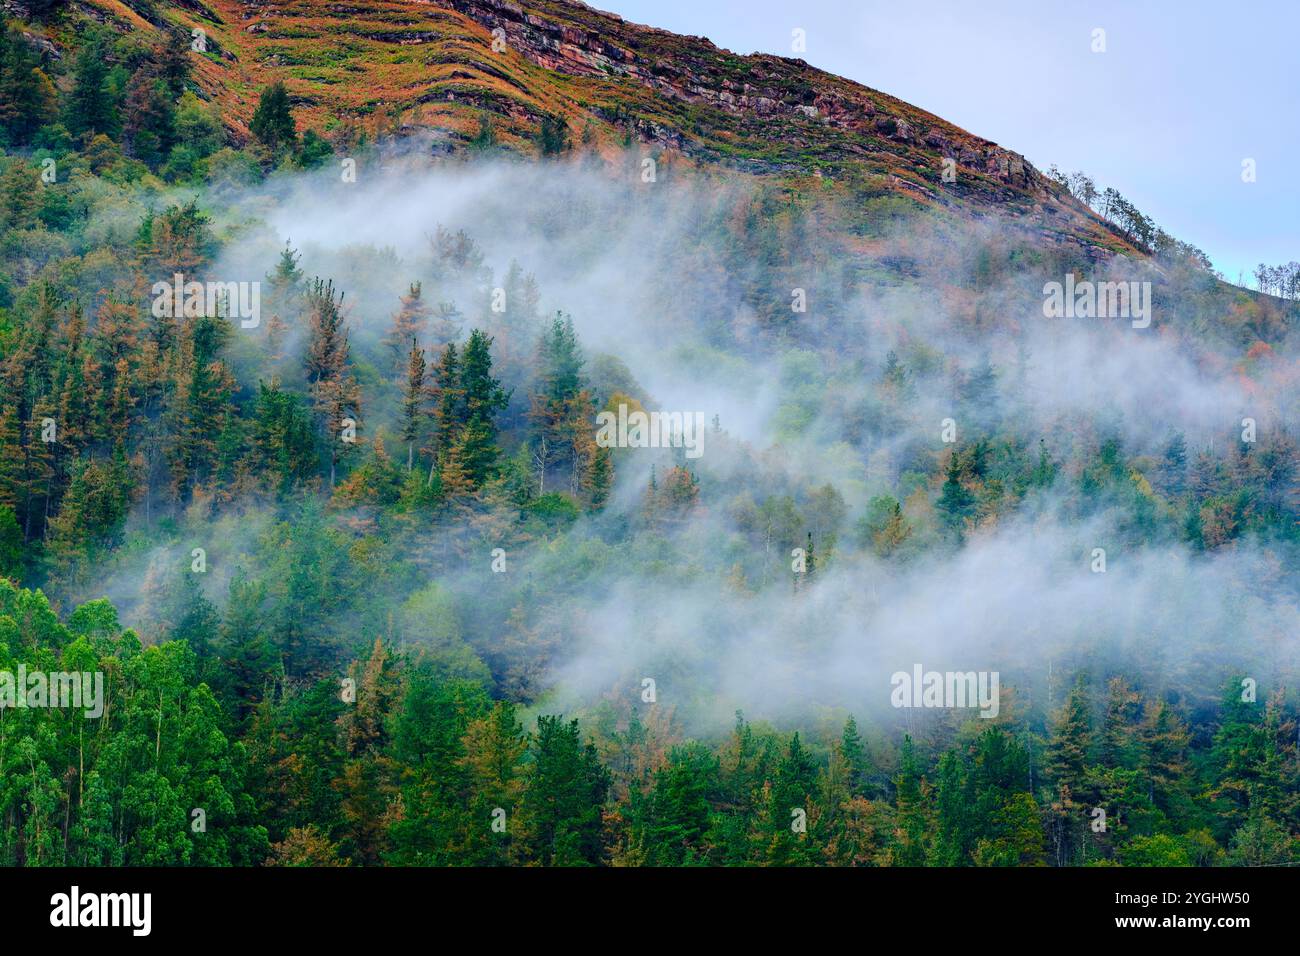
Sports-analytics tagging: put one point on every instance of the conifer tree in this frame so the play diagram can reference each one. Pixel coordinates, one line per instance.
(855, 756)
(448, 402)
(409, 323)
(27, 97)
(413, 401)
(283, 299)
(600, 477)
(92, 107)
(566, 792)
(273, 122)
(149, 126)
(1068, 752)
(202, 405)
(561, 408)
(956, 503)
(914, 816)
(334, 390)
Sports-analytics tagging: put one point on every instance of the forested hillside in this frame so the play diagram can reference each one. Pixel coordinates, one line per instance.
(365, 588)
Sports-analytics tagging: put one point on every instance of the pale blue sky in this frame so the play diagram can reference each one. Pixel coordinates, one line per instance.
(1185, 91)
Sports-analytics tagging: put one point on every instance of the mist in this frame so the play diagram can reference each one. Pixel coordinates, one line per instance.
(799, 405)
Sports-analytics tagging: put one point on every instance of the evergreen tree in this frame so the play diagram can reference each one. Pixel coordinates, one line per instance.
(553, 136)
(565, 796)
(956, 502)
(409, 324)
(911, 843)
(334, 391)
(92, 106)
(284, 298)
(1067, 758)
(855, 757)
(272, 123)
(413, 401)
(149, 127)
(561, 408)
(483, 398)
(1173, 466)
(1165, 741)
(27, 97)
(671, 827)
(449, 414)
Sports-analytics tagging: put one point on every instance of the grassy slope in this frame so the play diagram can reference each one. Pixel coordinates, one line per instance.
(380, 65)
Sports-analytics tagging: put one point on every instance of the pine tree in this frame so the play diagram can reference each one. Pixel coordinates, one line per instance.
(672, 825)
(176, 240)
(560, 405)
(494, 749)
(448, 403)
(173, 63)
(1068, 752)
(453, 475)
(283, 299)
(1173, 466)
(202, 408)
(446, 325)
(91, 108)
(409, 323)
(75, 409)
(563, 802)
(27, 97)
(600, 477)
(334, 390)
(273, 122)
(956, 503)
(1118, 738)
(1165, 742)
(855, 757)
(914, 816)
(149, 127)
(895, 374)
(791, 791)
(413, 401)
(953, 836)
(484, 396)
(38, 469)
(466, 411)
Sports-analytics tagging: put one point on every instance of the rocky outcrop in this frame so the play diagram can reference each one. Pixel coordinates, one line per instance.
(571, 38)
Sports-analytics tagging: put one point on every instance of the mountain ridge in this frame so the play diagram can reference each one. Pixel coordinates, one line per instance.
(394, 67)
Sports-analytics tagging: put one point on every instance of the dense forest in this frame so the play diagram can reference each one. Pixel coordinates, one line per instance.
(365, 589)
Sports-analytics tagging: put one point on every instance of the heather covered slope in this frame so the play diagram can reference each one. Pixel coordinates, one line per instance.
(379, 67)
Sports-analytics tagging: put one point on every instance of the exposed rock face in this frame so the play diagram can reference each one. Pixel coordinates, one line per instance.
(442, 65)
(693, 70)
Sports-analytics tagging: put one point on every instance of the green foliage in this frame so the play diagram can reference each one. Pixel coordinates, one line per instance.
(11, 544)
(340, 558)
(94, 104)
(313, 151)
(553, 136)
(273, 122)
(27, 97)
